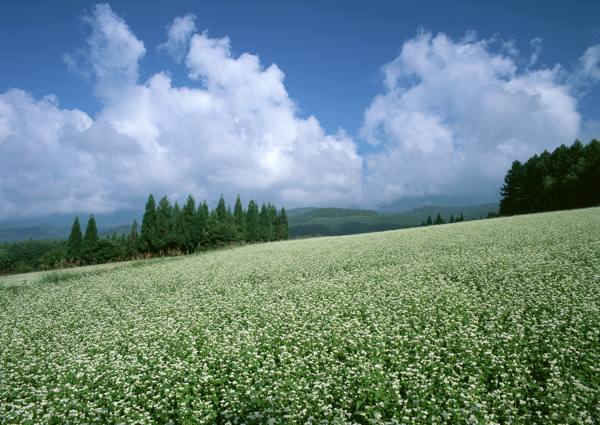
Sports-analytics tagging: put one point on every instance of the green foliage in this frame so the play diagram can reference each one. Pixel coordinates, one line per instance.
(564, 179)
(90, 239)
(166, 230)
(265, 223)
(75, 241)
(239, 216)
(200, 221)
(164, 225)
(221, 210)
(253, 231)
(133, 240)
(148, 236)
(53, 259)
(187, 236)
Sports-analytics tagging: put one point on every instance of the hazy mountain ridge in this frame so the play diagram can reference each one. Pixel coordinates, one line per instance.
(330, 221)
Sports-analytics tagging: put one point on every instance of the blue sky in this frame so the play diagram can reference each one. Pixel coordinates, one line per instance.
(349, 103)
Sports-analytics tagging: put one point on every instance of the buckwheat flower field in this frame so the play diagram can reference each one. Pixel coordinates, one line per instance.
(494, 321)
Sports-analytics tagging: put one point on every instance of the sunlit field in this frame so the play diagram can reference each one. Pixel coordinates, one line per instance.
(493, 321)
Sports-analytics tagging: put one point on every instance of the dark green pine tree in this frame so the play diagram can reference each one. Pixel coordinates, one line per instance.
(147, 241)
(133, 240)
(199, 224)
(90, 240)
(429, 221)
(222, 210)
(239, 217)
(265, 223)
(164, 234)
(178, 229)
(252, 222)
(187, 212)
(283, 228)
(75, 241)
(272, 210)
(451, 218)
(439, 220)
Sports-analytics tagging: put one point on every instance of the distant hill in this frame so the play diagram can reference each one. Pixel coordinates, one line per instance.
(58, 226)
(339, 221)
(36, 232)
(307, 221)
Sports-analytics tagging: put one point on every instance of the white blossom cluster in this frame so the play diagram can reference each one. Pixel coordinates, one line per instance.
(494, 321)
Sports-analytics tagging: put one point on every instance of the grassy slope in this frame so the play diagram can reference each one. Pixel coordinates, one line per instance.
(479, 321)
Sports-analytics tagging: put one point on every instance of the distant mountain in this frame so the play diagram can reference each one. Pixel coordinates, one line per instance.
(297, 211)
(410, 203)
(59, 225)
(37, 232)
(339, 221)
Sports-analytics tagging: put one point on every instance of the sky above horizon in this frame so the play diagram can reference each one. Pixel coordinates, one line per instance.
(298, 103)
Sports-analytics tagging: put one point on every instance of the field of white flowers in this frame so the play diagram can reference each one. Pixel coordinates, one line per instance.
(494, 321)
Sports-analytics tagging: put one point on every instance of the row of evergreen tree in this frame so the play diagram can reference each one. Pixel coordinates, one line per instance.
(168, 229)
(440, 220)
(564, 179)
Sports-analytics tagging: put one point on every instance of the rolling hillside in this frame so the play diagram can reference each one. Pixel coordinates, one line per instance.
(491, 321)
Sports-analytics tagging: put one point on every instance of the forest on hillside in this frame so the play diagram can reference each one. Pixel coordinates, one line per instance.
(166, 229)
(567, 178)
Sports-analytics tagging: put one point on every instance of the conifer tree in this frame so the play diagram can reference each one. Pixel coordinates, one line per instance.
(164, 234)
(221, 210)
(75, 241)
(148, 232)
(133, 240)
(200, 221)
(90, 240)
(178, 230)
(187, 212)
(283, 228)
(429, 221)
(264, 219)
(252, 223)
(239, 217)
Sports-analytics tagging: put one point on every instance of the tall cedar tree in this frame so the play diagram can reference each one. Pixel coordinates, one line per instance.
(75, 241)
(187, 213)
(133, 240)
(272, 209)
(221, 210)
(252, 222)
(90, 240)
(148, 232)
(239, 217)
(164, 234)
(283, 228)
(178, 229)
(200, 222)
(265, 223)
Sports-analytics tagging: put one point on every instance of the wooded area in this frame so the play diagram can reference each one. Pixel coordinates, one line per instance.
(564, 179)
(166, 230)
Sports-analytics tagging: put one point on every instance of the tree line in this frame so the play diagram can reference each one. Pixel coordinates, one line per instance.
(166, 230)
(567, 178)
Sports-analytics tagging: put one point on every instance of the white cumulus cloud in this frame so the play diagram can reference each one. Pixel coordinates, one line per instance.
(235, 132)
(180, 32)
(455, 114)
